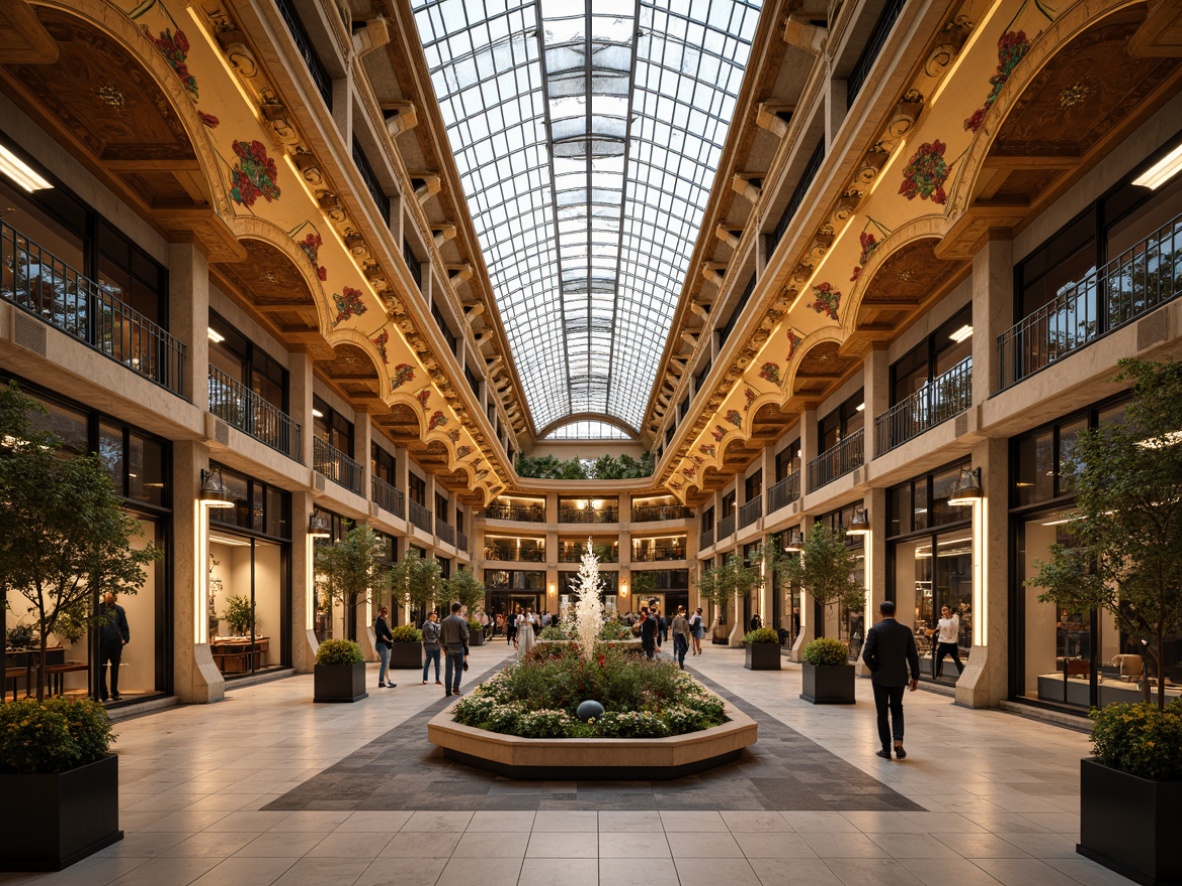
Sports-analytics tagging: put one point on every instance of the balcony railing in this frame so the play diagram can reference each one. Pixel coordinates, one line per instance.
(750, 511)
(784, 493)
(535, 513)
(589, 515)
(944, 397)
(651, 513)
(706, 539)
(574, 554)
(419, 515)
(802, 185)
(461, 541)
(334, 464)
(446, 532)
(726, 526)
(838, 460)
(46, 287)
(388, 497)
(1131, 285)
(882, 29)
(513, 554)
(653, 554)
(238, 405)
(316, 67)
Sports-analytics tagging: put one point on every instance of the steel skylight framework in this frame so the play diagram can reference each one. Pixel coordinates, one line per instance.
(587, 144)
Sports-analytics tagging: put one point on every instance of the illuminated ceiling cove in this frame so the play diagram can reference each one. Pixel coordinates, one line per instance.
(587, 144)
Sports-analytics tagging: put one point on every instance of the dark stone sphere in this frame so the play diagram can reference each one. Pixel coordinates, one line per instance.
(588, 710)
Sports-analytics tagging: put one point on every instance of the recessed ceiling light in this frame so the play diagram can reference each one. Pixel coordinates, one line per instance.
(20, 172)
(961, 334)
(1161, 171)
(214, 336)
(316, 413)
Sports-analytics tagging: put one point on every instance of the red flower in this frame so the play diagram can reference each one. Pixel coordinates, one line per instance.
(208, 119)
(180, 40)
(974, 122)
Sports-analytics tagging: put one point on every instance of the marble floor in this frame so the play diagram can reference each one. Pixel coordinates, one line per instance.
(986, 798)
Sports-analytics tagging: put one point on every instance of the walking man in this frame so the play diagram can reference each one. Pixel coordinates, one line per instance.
(113, 636)
(681, 636)
(511, 629)
(889, 651)
(384, 640)
(648, 632)
(431, 646)
(454, 637)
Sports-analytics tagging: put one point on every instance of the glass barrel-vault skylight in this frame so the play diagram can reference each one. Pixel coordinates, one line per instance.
(587, 430)
(587, 135)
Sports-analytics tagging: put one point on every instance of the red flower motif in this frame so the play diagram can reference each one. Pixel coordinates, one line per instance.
(1012, 47)
(255, 175)
(208, 119)
(925, 173)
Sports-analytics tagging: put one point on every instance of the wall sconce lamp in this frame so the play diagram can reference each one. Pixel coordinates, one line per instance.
(213, 490)
(623, 589)
(968, 488)
(318, 527)
(553, 590)
(860, 525)
(795, 542)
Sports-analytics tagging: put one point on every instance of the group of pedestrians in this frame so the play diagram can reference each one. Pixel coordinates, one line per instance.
(440, 638)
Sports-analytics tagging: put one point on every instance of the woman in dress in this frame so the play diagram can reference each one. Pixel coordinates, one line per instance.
(526, 622)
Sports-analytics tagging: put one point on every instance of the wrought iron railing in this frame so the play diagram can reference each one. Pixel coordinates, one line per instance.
(334, 464)
(706, 539)
(882, 29)
(1131, 285)
(519, 513)
(303, 44)
(574, 553)
(419, 515)
(838, 460)
(589, 515)
(802, 186)
(655, 553)
(446, 532)
(726, 526)
(750, 511)
(388, 497)
(945, 397)
(461, 540)
(40, 283)
(370, 179)
(651, 513)
(513, 554)
(237, 405)
(784, 493)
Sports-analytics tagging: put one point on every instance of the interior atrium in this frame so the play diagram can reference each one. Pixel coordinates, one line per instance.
(678, 278)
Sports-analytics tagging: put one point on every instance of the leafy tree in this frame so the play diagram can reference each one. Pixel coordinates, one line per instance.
(734, 577)
(643, 584)
(825, 568)
(64, 537)
(416, 581)
(1125, 558)
(464, 586)
(348, 569)
(606, 467)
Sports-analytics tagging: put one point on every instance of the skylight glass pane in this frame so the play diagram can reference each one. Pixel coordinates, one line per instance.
(587, 144)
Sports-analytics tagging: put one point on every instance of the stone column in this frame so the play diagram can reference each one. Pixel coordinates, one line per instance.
(303, 638)
(196, 679)
(808, 628)
(875, 503)
(876, 390)
(993, 313)
(299, 401)
(188, 312)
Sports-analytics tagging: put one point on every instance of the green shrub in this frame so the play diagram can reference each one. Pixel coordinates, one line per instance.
(339, 652)
(615, 630)
(1139, 739)
(475, 627)
(20, 637)
(407, 634)
(60, 734)
(762, 635)
(553, 632)
(825, 651)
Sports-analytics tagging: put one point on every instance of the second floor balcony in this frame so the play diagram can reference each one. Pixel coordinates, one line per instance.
(706, 539)
(420, 516)
(515, 553)
(520, 512)
(572, 551)
(750, 511)
(784, 492)
(39, 283)
(838, 460)
(652, 513)
(239, 406)
(388, 497)
(665, 549)
(943, 398)
(334, 464)
(445, 531)
(726, 526)
(575, 514)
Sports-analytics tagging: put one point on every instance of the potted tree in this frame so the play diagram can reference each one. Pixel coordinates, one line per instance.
(339, 674)
(720, 584)
(64, 538)
(825, 568)
(469, 590)
(1125, 561)
(348, 569)
(240, 615)
(415, 581)
(763, 650)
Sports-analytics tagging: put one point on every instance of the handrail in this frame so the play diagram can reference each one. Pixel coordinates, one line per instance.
(299, 36)
(388, 497)
(43, 285)
(515, 554)
(461, 541)
(1137, 281)
(726, 526)
(419, 515)
(335, 465)
(446, 532)
(944, 397)
(237, 405)
(516, 512)
(657, 553)
(882, 29)
(706, 539)
(784, 493)
(838, 460)
(750, 511)
(650, 513)
(589, 515)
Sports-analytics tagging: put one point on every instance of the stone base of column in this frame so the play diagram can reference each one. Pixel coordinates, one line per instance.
(205, 682)
(982, 684)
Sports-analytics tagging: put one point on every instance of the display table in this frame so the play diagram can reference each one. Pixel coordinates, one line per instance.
(239, 655)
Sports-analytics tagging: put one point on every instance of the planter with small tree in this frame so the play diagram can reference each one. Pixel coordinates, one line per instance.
(1125, 561)
(763, 650)
(339, 674)
(240, 616)
(347, 569)
(827, 677)
(469, 590)
(416, 582)
(406, 649)
(720, 584)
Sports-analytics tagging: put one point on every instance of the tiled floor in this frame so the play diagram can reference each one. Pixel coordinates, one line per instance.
(994, 799)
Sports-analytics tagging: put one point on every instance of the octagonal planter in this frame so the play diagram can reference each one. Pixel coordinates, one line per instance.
(828, 684)
(762, 656)
(339, 683)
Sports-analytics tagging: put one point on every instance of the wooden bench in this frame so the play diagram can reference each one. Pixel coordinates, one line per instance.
(57, 675)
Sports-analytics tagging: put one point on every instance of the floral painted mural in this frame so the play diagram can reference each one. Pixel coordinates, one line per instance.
(254, 175)
(349, 303)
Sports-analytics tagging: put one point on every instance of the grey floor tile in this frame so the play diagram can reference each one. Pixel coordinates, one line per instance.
(755, 822)
(1023, 872)
(774, 845)
(360, 845)
(980, 846)
(692, 822)
(564, 821)
(502, 821)
(712, 871)
(321, 871)
(798, 872)
(562, 845)
(843, 845)
(638, 872)
(650, 845)
(289, 845)
(1087, 872)
(484, 871)
(567, 871)
(867, 872)
(420, 871)
(686, 846)
(486, 844)
(416, 845)
(958, 871)
(245, 872)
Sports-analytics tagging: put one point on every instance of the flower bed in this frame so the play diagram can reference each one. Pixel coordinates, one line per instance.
(641, 698)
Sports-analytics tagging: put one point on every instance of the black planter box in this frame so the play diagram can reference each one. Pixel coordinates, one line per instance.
(762, 656)
(475, 638)
(830, 684)
(406, 655)
(339, 683)
(48, 822)
(1130, 824)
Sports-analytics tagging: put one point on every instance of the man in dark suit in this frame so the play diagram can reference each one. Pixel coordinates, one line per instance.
(888, 652)
(648, 632)
(113, 636)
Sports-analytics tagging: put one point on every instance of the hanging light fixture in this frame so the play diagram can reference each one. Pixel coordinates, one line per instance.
(968, 488)
(860, 525)
(795, 542)
(213, 490)
(318, 527)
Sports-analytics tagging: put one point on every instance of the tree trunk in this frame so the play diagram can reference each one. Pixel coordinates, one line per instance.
(1159, 667)
(41, 666)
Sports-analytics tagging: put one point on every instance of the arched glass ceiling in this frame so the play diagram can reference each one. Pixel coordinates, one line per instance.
(587, 430)
(587, 137)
